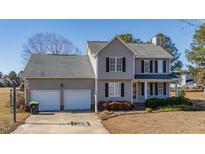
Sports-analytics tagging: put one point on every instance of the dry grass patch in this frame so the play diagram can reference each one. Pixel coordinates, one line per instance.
(157, 123)
(192, 95)
(6, 116)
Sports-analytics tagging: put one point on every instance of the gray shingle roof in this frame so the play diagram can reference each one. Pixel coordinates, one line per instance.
(61, 66)
(141, 50)
(156, 76)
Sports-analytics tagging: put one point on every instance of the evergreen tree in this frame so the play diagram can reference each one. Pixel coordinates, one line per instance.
(197, 55)
(128, 38)
(168, 45)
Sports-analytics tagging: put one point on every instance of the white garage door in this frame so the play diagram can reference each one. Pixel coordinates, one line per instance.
(49, 100)
(77, 99)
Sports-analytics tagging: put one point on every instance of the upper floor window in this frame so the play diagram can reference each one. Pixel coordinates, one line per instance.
(147, 66)
(160, 66)
(156, 66)
(115, 64)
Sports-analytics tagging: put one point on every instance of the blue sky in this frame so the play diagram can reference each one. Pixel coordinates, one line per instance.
(14, 33)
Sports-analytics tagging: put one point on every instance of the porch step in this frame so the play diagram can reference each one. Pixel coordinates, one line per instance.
(140, 106)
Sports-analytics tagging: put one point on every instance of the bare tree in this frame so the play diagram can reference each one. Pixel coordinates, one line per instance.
(48, 43)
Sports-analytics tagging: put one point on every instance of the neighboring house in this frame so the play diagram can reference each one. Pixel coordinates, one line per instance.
(5, 82)
(187, 81)
(110, 71)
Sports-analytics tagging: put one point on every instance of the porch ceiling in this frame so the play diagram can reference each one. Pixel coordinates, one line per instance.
(156, 77)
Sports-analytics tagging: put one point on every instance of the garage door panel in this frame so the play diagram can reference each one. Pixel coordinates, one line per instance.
(49, 100)
(77, 100)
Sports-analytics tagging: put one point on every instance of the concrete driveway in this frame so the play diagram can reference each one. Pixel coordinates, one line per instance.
(62, 123)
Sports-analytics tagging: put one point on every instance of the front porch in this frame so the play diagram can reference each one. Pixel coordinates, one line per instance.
(145, 89)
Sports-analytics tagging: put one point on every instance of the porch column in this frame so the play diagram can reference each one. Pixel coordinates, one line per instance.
(176, 88)
(145, 90)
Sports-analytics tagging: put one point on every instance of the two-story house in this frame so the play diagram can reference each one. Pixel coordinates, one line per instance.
(110, 71)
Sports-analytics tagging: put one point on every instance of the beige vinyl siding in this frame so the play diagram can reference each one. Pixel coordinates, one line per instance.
(115, 49)
(127, 91)
(93, 61)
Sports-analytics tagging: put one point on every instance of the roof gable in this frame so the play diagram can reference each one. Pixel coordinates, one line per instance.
(104, 44)
(141, 50)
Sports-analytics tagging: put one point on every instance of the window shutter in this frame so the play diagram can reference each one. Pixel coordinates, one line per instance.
(123, 64)
(151, 66)
(142, 66)
(142, 88)
(151, 88)
(164, 66)
(156, 66)
(165, 89)
(134, 90)
(156, 88)
(106, 89)
(107, 64)
(122, 90)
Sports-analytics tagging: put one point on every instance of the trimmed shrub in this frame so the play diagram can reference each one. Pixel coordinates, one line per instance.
(170, 101)
(115, 106)
(148, 110)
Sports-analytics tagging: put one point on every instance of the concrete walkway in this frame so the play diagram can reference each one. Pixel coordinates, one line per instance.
(62, 123)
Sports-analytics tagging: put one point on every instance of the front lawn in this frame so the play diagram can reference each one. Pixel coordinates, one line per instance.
(6, 116)
(157, 123)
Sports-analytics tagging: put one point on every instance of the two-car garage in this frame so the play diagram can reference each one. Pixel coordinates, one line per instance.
(60, 82)
(50, 100)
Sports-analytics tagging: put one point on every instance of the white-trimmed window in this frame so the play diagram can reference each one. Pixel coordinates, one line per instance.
(114, 89)
(160, 66)
(146, 66)
(115, 64)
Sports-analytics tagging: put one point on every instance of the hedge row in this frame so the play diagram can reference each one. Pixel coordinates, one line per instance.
(170, 101)
(115, 106)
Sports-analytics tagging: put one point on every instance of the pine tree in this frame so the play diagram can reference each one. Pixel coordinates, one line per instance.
(197, 54)
(168, 45)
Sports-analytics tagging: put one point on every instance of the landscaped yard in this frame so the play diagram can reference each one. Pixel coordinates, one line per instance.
(154, 123)
(6, 116)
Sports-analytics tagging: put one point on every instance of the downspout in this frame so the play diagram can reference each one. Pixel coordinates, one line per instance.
(96, 86)
(133, 76)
